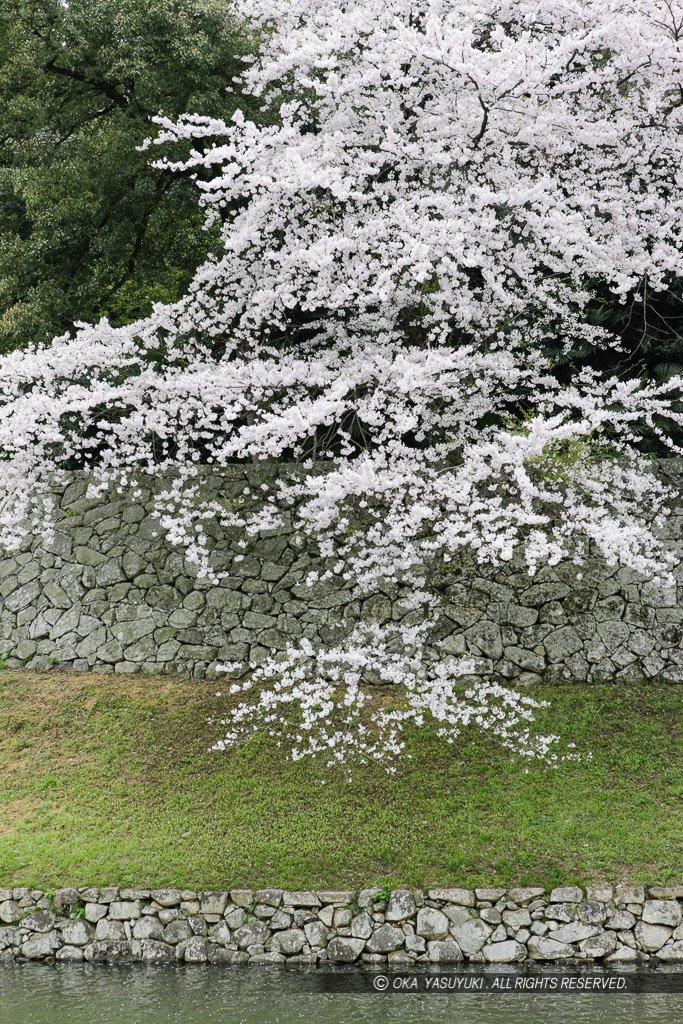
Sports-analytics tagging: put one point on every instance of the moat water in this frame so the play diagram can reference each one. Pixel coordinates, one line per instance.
(32, 993)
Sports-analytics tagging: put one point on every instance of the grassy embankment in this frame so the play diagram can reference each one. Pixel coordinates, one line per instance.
(108, 780)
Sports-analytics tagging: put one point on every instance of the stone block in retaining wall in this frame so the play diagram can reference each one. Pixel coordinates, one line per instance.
(274, 926)
(108, 591)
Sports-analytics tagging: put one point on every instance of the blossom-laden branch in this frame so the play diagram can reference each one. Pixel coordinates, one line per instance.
(443, 186)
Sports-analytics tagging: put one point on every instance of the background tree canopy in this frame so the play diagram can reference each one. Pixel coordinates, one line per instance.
(87, 227)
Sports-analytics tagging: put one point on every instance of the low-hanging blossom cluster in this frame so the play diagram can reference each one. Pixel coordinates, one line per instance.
(314, 701)
(435, 193)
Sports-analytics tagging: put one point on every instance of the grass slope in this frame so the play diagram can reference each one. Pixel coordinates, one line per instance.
(108, 780)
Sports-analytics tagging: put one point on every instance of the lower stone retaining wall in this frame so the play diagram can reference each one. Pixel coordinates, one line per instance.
(615, 925)
(108, 591)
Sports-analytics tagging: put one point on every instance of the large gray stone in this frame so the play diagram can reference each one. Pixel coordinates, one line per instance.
(143, 650)
(543, 947)
(40, 946)
(518, 615)
(652, 936)
(666, 912)
(506, 952)
(541, 593)
(672, 952)
(214, 902)
(658, 595)
(625, 893)
(109, 573)
(613, 634)
(401, 905)
(66, 623)
(88, 556)
(361, 926)
(39, 921)
(345, 950)
(666, 892)
(562, 643)
(56, 596)
(471, 935)
(113, 952)
(338, 897)
(77, 933)
(517, 918)
(10, 911)
(241, 898)
(432, 923)
(251, 933)
(376, 609)
(490, 893)
(280, 919)
(457, 914)
(148, 927)
(446, 951)
(8, 567)
(164, 597)
(23, 597)
(124, 910)
(599, 945)
(525, 894)
(300, 898)
(236, 918)
(576, 931)
(220, 933)
(317, 933)
(622, 955)
(196, 950)
(70, 954)
(153, 951)
(463, 897)
(129, 632)
(92, 643)
(487, 637)
(167, 897)
(592, 912)
(67, 899)
(620, 920)
(290, 941)
(9, 937)
(110, 931)
(111, 652)
(385, 939)
(177, 931)
(566, 894)
(228, 956)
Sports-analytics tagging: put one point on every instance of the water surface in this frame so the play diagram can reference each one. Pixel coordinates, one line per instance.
(195, 994)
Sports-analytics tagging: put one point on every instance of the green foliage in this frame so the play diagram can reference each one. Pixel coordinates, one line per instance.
(49, 895)
(87, 227)
(562, 458)
(649, 328)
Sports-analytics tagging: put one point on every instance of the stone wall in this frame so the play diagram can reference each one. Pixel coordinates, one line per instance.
(616, 925)
(110, 592)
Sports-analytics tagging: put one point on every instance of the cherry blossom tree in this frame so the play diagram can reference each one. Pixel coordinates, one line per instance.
(445, 185)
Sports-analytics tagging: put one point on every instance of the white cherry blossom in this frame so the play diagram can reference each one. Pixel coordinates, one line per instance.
(437, 192)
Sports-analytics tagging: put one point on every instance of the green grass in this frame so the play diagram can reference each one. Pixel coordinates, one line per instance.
(109, 780)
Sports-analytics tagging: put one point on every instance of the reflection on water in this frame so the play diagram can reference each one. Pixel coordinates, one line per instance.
(90, 994)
